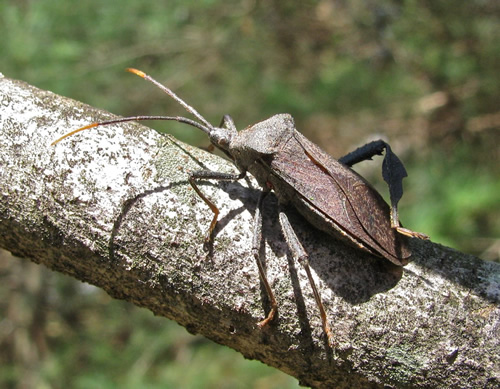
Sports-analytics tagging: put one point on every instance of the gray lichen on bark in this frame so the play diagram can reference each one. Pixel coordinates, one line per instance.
(112, 207)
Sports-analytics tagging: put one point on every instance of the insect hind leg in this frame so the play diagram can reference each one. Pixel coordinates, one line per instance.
(301, 256)
(256, 246)
(364, 153)
(393, 172)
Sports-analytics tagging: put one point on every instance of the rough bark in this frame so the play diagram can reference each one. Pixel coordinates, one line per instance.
(112, 207)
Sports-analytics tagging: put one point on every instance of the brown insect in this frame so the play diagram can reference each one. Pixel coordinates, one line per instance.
(327, 192)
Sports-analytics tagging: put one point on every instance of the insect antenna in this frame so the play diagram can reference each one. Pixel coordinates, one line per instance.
(205, 127)
(169, 92)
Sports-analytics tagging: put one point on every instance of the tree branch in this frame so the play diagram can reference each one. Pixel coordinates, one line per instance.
(112, 207)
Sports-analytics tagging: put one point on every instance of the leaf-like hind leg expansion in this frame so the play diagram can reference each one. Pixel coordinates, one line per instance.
(209, 175)
(257, 243)
(301, 256)
(393, 172)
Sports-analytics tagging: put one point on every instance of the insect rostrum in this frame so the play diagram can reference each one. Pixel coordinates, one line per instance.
(327, 192)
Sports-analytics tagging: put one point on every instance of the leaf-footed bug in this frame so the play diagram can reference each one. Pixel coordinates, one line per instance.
(327, 192)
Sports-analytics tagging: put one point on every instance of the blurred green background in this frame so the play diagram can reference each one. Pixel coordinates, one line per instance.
(424, 75)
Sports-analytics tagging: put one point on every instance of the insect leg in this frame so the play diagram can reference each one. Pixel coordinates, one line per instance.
(393, 172)
(301, 256)
(364, 152)
(257, 242)
(209, 175)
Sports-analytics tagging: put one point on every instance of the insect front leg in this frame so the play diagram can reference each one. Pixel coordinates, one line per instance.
(257, 243)
(393, 172)
(209, 175)
(301, 256)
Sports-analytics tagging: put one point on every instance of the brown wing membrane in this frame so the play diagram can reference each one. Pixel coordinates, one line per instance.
(344, 198)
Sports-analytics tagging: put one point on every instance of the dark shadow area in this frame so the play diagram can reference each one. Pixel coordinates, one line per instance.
(171, 140)
(126, 207)
(356, 275)
(351, 273)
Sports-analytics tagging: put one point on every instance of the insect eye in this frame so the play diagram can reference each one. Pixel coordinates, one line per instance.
(223, 141)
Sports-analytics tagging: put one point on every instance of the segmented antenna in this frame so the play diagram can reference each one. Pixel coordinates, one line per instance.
(205, 127)
(169, 92)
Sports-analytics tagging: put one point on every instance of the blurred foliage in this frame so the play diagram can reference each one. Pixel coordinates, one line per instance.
(422, 74)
